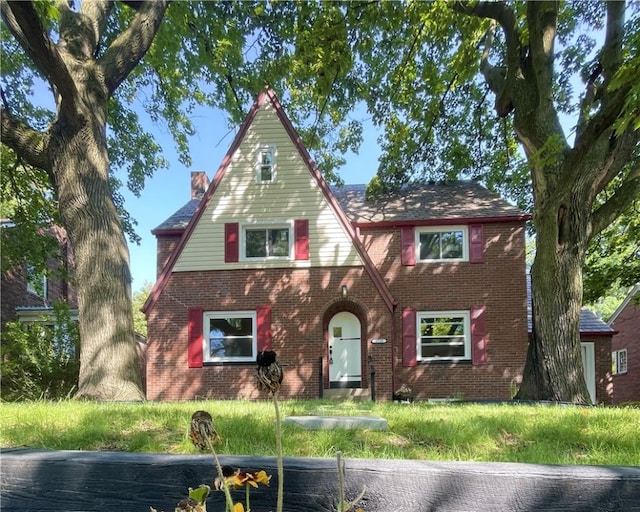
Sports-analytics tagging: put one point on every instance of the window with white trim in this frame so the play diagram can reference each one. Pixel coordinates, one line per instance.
(450, 243)
(36, 282)
(444, 336)
(266, 164)
(619, 361)
(267, 241)
(230, 336)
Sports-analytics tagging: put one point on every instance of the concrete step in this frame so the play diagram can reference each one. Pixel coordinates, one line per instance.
(346, 394)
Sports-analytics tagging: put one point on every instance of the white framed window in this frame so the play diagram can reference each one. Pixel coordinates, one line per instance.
(444, 336)
(36, 282)
(230, 336)
(442, 243)
(267, 241)
(619, 361)
(266, 157)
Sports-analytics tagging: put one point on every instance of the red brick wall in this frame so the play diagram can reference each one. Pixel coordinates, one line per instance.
(602, 355)
(166, 245)
(626, 386)
(299, 300)
(498, 283)
(303, 302)
(15, 294)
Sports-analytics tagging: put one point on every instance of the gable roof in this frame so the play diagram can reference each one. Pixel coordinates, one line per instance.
(590, 323)
(624, 303)
(420, 203)
(177, 220)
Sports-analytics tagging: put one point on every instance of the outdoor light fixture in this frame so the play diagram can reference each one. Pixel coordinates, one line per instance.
(345, 291)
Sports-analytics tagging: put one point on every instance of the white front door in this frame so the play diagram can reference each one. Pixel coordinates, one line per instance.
(345, 351)
(589, 368)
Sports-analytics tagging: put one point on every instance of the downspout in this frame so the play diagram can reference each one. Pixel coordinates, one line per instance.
(393, 349)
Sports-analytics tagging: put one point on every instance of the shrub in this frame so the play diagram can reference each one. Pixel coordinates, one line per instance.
(40, 360)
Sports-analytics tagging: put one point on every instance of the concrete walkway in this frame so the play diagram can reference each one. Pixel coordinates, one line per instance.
(338, 422)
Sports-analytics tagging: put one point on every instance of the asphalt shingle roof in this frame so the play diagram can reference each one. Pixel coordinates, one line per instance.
(459, 199)
(181, 218)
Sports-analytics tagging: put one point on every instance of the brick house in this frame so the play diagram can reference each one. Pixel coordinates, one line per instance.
(595, 343)
(28, 295)
(427, 286)
(625, 349)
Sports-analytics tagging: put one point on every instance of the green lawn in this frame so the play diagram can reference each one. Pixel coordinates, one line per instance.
(469, 432)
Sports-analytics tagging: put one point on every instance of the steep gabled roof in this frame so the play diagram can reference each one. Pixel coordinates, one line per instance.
(635, 289)
(179, 217)
(416, 203)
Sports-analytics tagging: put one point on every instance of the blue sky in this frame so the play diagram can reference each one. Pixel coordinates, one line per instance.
(169, 189)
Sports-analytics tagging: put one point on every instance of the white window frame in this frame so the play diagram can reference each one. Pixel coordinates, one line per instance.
(443, 229)
(259, 165)
(207, 316)
(619, 361)
(266, 225)
(32, 277)
(466, 319)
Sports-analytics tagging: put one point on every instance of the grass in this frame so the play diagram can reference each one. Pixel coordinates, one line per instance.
(470, 432)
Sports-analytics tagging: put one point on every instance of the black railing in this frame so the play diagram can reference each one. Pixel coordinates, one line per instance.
(372, 378)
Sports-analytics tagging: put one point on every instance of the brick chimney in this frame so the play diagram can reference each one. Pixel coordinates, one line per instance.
(199, 184)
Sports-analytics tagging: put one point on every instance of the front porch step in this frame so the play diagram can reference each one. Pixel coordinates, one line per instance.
(346, 394)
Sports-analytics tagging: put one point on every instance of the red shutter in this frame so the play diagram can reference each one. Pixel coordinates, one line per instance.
(478, 336)
(263, 327)
(408, 250)
(409, 349)
(195, 338)
(476, 243)
(301, 235)
(231, 242)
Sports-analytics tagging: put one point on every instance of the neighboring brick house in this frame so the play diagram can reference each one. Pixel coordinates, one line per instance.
(625, 349)
(28, 295)
(426, 286)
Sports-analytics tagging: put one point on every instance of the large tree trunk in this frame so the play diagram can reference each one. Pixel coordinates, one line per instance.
(553, 369)
(80, 165)
(566, 180)
(73, 151)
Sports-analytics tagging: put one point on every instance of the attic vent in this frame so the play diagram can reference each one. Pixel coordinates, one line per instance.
(199, 184)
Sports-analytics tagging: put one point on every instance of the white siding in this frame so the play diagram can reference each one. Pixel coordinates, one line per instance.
(294, 195)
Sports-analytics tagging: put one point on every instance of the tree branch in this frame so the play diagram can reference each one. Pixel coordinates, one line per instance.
(611, 57)
(94, 14)
(505, 17)
(24, 140)
(25, 25)
(590, 95)
(80, 31)
(543, 20)
(628, 190)
(127, 50)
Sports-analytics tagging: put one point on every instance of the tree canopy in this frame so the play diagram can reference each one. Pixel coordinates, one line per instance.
(539, 100)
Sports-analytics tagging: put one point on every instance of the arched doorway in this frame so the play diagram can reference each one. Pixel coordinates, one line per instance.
(345, 351)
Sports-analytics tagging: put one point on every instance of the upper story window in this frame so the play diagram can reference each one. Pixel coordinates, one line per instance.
(36, 282)
(267, 241)
(230, 336)
(266, 164)
(445, 335)
(449, 243)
